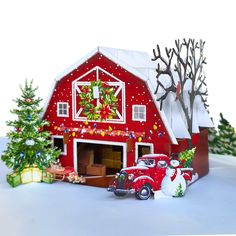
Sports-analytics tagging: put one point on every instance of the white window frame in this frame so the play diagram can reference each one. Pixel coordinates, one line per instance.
(67, 109)
(145, 112)
(151, 145)
(65, 145)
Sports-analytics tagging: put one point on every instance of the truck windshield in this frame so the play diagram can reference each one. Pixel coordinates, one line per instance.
(146, 162)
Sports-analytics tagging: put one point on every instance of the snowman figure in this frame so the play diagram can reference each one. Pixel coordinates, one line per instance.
(173, 183)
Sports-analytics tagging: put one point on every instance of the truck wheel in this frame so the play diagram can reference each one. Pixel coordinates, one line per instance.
(120, 194)
(144, 193)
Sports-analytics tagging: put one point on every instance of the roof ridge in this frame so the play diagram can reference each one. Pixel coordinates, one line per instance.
(121, 49)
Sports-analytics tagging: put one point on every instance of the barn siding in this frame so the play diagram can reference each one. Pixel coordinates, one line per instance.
(136, 92)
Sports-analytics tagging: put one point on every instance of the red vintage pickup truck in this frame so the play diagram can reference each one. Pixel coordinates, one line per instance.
(146, 177)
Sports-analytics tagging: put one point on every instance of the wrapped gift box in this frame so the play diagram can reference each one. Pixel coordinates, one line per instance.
(26, 176)
(31, 174)
(36, 175)
(47, 177)
(14, 179)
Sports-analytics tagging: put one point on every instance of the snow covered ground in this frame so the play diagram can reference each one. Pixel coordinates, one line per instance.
(209, 207)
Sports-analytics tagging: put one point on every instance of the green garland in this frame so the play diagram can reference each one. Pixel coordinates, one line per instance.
(186, 157)
(108, 102)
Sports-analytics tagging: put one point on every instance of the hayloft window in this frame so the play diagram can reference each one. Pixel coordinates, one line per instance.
(91, 88)
(139, 112)
(59, 143)
(62, 109)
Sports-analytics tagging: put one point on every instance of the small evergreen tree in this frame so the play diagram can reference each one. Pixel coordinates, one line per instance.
(179, 191)
(213, 141)
(227, 137)
(29, 144)
(223, 141)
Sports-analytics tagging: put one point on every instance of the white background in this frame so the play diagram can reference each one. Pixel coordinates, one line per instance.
(40, 39)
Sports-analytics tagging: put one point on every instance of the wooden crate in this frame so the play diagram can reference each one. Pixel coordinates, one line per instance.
(86, 158)
(96, 169)
(117, 164)
(82, 169)
(108, 163)
(116, 156)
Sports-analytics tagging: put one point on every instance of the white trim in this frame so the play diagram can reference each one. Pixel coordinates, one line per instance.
(151, 145)
(143, 177)
(67, 109)
(111, 75)
(139, 106)
(60, 137)
(124, 145)
(121, 88)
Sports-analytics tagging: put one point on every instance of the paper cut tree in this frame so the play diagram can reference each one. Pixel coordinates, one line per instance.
(223, 141)
(29, 145)
(183, 64)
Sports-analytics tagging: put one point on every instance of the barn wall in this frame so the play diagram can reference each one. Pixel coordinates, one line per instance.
(136, 92)
(200, 161)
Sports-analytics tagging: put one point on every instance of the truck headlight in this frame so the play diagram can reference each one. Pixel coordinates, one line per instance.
(131, 177)
(117, 175)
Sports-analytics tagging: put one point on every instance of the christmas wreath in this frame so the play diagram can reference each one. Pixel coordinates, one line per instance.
(106, 108)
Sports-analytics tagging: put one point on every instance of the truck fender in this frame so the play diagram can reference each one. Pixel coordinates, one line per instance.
(142, 180)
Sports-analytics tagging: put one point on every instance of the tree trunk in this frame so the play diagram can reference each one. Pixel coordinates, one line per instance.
(190, 144)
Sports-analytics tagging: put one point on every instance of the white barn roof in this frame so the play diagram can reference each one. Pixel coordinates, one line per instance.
(141, 65)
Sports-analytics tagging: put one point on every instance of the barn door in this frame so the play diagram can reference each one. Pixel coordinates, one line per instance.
(98, 96)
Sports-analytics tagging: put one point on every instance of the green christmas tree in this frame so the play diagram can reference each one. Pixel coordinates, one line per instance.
(179, 191)
(29, 145)
(227, 137)
(223, 141)
(213, 141)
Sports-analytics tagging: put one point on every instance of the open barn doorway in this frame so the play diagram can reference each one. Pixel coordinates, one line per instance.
(99, 158)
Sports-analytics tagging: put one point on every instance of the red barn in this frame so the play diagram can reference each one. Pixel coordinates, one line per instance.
(104, 114)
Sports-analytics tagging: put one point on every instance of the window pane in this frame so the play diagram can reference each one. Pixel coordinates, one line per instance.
(141, 109)
(141, 116)
(135, 108)
(58, 142)
(135, 115)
